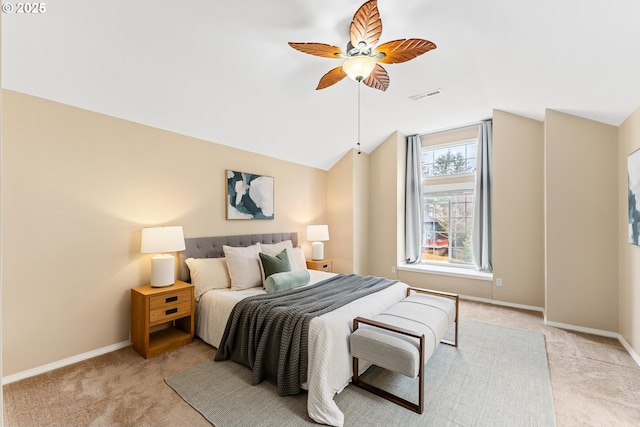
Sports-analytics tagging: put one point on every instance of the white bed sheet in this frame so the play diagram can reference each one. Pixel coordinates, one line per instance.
(329, 370)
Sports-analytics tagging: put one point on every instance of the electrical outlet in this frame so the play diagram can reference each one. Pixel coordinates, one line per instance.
(498, 282)
(393, 269)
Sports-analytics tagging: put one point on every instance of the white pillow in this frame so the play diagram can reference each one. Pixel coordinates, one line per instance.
(274, 249)
(207, 274)
(297, 259)
(244, 266)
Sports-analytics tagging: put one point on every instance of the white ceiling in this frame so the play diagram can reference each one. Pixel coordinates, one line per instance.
(222, 71)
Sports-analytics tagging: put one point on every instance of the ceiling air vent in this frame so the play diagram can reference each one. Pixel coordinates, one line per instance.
(426, 94)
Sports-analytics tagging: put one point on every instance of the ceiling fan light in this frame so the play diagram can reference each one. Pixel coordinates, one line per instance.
(359, 67)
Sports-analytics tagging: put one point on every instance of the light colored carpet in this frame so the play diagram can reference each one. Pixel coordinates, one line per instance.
(497, 376)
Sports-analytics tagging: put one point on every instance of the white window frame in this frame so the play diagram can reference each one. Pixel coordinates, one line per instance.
(447, 145)
(462, 183)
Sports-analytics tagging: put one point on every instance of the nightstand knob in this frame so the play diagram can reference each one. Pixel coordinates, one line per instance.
(171, 311)
(171, 299)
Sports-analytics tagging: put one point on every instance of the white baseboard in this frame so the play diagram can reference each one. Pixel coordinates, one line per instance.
(64, 362)
(631, 351)
(599, 332)
(88, 355)
(506, 304)
(575, 328)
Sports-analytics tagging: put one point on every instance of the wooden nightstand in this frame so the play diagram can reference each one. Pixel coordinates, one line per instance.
(152, 307)
(322, 265)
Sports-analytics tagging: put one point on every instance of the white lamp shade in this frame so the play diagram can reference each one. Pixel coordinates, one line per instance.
(316, 233)
(359, 67)
(157, 240)
(162, 239)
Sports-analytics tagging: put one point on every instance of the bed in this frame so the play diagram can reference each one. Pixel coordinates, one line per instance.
(329, 362)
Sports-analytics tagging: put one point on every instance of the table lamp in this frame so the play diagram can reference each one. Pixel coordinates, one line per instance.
(316, 234)
(158, 240)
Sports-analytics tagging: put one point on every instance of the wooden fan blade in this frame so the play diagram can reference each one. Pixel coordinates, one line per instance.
(331, 78)
(366, 25)
(319, 49)
(397, 51)
(378, 79)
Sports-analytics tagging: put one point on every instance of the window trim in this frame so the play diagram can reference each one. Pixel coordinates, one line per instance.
(449, 144)
(446, 269)
(453, 187)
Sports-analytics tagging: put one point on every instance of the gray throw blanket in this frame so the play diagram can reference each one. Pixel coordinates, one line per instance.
(269, 333)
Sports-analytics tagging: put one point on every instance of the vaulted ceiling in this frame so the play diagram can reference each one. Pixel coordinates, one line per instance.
(223, 71)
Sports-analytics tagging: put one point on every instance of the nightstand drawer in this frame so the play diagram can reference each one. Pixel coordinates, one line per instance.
(325, 266)
(322, 265)
(170, 299)
(169, 312)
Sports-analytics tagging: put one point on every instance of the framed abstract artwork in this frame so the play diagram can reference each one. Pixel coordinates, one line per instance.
(249, 196)
(633, 178)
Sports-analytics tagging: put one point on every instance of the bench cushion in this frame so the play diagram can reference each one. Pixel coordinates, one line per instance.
(420, 313)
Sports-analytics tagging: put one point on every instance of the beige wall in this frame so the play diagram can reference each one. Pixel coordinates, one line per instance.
(386, 224)
(581, 190)
(518, 215)
(460, 285)
(520, 224)
(361, 218)
(340, 215)
(386, 206)
(79, 186)
(347, 183)
(629, 255)
(77, 189)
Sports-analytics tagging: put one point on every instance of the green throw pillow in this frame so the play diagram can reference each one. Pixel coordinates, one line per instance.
(274, 264)
(280, 282)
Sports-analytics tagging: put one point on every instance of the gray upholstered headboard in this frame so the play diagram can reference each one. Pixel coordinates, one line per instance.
(211, 247)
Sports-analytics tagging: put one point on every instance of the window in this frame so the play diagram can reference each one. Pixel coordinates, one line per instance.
(448, 173)
(451, 160)
(447, 228)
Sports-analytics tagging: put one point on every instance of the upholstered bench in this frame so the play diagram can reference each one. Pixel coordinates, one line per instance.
(402, 338)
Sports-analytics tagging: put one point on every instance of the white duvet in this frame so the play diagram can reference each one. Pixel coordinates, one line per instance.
(329, 368)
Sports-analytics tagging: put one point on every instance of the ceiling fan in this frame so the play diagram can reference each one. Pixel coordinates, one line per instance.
(362, 57)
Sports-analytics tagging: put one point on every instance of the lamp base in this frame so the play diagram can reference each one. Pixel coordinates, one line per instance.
(162, 270)
(317, 251)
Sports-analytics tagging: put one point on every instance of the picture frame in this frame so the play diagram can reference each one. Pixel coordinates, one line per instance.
(633, 180)
(249, 196)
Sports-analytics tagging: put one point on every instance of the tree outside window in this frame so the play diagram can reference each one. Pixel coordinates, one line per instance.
(447, 228)
(453, 160)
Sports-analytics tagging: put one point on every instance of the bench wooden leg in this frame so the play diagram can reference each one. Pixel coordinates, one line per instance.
(419, 408)
(392, 397)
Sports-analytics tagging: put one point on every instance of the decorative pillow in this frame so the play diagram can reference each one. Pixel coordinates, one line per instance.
(297, 259)
(294, 259)
(274, 264)
(244, 266)
(275, 248)
(207, 274)
(279, 282)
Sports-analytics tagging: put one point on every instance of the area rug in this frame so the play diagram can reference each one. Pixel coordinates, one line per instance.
(497, 376)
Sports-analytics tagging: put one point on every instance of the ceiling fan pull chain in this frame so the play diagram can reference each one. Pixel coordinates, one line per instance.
(359, 84)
